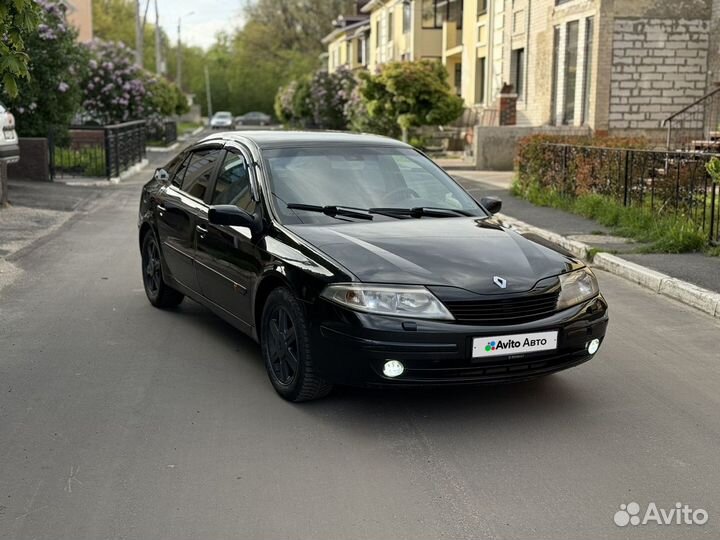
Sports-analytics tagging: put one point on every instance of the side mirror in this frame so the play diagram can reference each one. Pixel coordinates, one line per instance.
(492, 204)
(229, 214)
(161, 175)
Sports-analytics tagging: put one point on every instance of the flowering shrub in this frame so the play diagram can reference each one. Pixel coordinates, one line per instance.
(50, 96)
(358, 119)
(114, 87)
(283, 102)
(329, 93)
(318, 101)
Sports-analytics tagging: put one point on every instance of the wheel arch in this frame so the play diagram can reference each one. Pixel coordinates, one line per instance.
(267, 284)
(144, 229)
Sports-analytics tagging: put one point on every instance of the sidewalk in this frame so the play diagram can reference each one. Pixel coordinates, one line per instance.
(695, 268)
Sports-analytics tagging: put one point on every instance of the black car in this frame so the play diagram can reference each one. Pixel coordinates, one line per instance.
(354, 259)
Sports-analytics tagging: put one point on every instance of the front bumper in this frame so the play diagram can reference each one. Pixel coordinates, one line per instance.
(351, 347)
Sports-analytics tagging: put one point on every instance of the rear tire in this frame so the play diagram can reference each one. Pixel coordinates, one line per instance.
(159, 293)
(285, 344)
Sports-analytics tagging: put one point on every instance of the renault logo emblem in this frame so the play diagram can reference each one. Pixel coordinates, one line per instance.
(500, 282)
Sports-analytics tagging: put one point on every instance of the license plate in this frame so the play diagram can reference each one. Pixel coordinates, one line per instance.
(514, 344)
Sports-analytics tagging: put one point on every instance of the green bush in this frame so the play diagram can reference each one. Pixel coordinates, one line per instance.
(409, 94)
(590, 182)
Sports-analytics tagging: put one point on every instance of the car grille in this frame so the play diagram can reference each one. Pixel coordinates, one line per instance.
(502, 311)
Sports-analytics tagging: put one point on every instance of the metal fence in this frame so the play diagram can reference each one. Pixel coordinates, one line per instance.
(97, 151)
(663, 183)
(164, 133)
(81, 153)
(124, 146)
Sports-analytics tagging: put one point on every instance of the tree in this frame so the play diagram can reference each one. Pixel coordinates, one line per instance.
(17, 18)
(294, 25)
(49, 98)
(411, 94)
(114, 20)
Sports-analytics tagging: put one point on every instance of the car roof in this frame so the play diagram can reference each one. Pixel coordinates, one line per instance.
(264, 139)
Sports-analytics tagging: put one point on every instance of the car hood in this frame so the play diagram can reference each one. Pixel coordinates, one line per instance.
(458, 252)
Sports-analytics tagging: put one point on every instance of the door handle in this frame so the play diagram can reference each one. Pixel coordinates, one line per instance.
(202, 230)
(161, 209)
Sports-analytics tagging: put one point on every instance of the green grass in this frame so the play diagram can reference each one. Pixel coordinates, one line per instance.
(81, 162)
(662, 234)
(187, 127)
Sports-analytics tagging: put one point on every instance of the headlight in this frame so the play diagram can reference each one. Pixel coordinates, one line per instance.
(577, 287)
(399, 300)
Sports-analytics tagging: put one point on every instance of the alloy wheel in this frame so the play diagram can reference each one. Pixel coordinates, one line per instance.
(151, 267)
(282, 345)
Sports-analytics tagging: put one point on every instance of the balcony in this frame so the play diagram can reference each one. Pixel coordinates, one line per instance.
(451, 39)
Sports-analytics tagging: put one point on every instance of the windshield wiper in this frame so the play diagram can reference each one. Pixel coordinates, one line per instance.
(421, 211)
(332, 211)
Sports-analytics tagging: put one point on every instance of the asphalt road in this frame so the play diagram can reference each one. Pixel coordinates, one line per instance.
(118, 420)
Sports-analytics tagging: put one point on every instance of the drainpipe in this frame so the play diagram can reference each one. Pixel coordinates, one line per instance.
(527, 53)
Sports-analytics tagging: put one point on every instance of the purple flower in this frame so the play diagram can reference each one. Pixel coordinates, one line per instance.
(63, 87)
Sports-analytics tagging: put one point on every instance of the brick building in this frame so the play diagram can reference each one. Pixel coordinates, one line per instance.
(608, 65)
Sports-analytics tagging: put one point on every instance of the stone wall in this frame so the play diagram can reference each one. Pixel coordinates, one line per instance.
(495, 146)
(658, 67)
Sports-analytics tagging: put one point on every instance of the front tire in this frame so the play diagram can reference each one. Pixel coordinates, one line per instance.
(159, 293)
(286, 350)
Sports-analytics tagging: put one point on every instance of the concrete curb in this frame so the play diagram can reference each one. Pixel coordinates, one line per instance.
(162, 148)
(104, 182)
(677, 289)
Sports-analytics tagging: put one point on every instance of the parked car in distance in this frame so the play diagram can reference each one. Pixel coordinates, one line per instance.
(354, 259)
(254, 118)
(9, 144)
(221, 120)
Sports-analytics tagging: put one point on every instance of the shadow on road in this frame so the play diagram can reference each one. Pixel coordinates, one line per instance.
(477, 406)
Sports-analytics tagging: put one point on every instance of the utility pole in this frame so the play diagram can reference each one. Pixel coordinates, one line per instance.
(138, 35)
(159, 63)
(178, 73)
(207, 90)
(140, 32)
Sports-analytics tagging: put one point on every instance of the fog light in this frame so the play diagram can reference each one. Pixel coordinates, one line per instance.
(393, 368)
(593, 346)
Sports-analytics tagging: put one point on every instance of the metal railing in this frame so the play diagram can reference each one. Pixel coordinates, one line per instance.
(97, 151)
(81, 153)
(165, 133)
(662, 183)
(696, 127)
(124, 146)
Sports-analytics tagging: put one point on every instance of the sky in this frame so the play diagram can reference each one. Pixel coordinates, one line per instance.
(209, 17)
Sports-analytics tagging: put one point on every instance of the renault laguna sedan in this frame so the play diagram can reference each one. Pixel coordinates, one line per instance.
(354, 259)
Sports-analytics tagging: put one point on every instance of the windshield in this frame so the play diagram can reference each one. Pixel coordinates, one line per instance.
(360, 178)
(223, 115)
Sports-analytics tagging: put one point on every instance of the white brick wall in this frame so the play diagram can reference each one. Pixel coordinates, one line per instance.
(658, 67)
